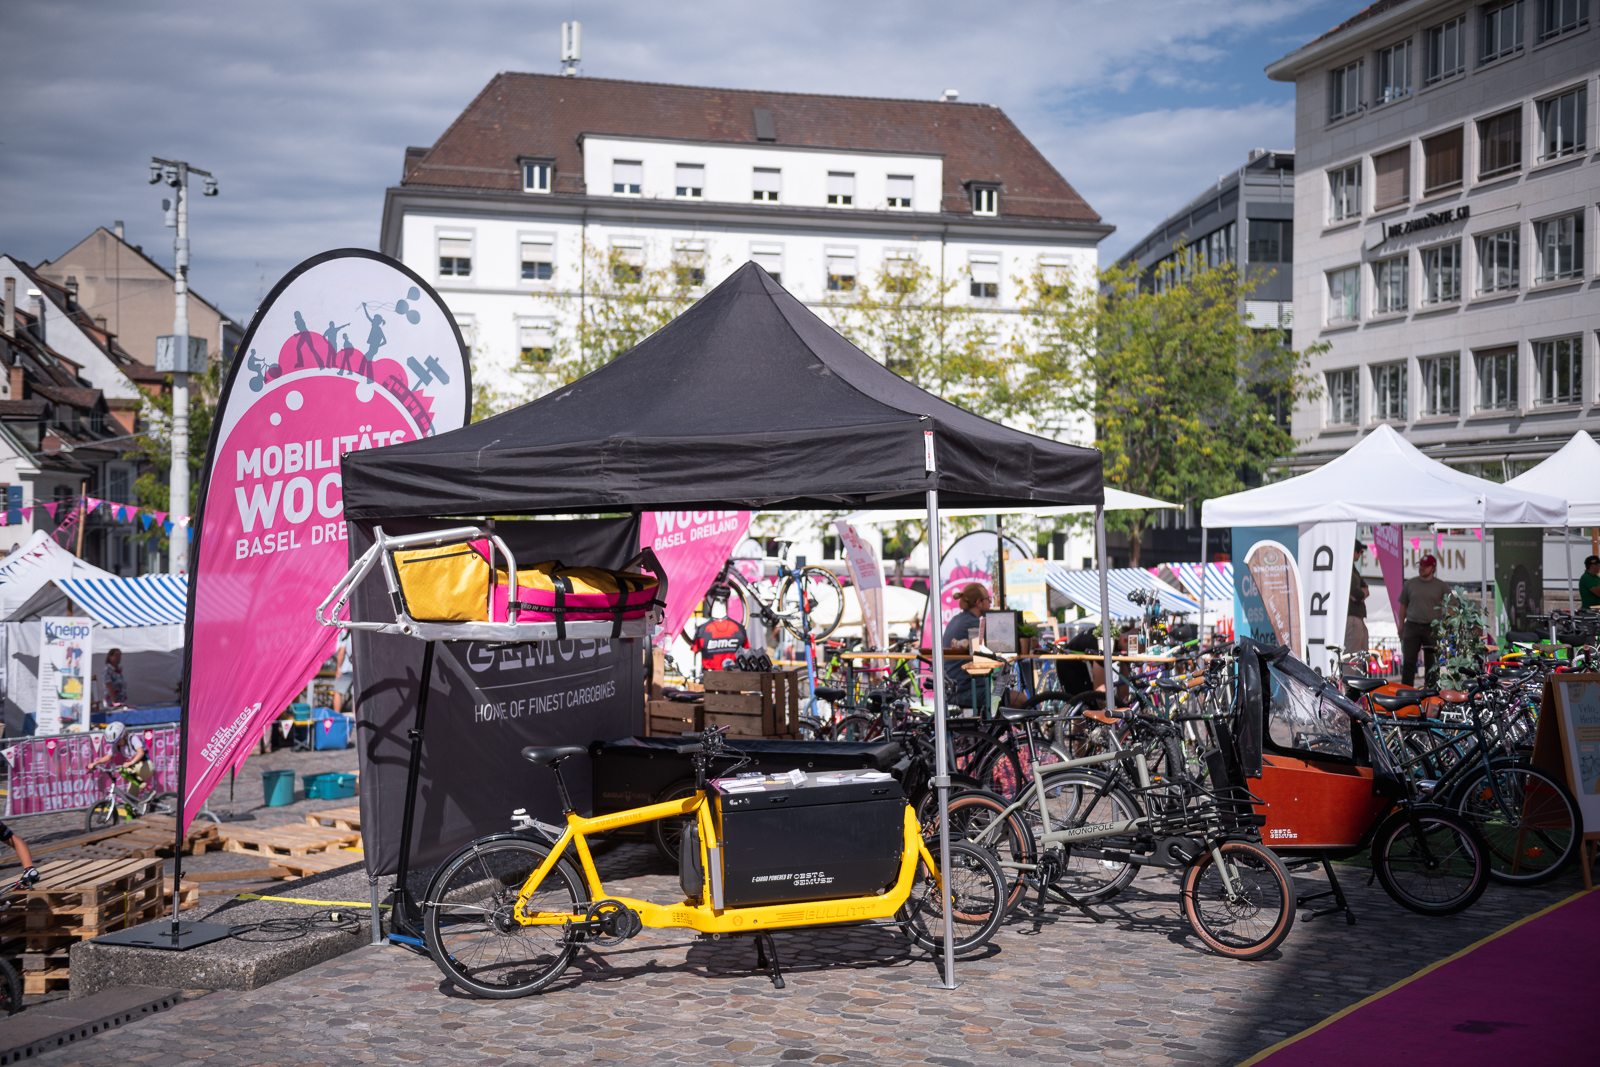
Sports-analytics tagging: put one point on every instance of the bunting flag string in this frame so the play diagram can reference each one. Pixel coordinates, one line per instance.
(82, 506)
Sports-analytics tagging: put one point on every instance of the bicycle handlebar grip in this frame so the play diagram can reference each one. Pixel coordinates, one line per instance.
(685, 750)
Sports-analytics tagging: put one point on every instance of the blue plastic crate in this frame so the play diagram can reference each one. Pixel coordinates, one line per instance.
(330, 786)
(330, 732)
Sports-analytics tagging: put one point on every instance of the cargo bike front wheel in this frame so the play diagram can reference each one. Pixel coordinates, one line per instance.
(470, 924)
(978, 901)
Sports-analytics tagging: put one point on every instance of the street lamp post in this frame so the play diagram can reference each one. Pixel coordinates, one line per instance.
(176, 174)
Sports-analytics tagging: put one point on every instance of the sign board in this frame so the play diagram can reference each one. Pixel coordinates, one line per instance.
(1569, 739)
(167, 358)
(1267, 601)
(52, 773)
(65, 678)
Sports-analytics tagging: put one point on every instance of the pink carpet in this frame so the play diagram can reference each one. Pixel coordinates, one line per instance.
(1527, 995)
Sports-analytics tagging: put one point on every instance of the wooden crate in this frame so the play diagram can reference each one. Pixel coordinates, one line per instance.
(336, 818)
(669, 718)
(754, 704)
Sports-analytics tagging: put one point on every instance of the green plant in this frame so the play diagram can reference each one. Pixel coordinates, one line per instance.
(1458, 635)
(1027, 629)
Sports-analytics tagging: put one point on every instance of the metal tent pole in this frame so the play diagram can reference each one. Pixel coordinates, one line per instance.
(1566, 562)
(941, 753)
(1105, 602)
(1488, 604)
(403, 913)
(1203, 532)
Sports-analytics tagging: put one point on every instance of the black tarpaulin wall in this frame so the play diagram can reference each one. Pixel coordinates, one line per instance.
(745, 401)
(484, 705)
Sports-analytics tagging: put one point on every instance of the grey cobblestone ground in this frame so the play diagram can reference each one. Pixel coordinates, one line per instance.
(1135, 990)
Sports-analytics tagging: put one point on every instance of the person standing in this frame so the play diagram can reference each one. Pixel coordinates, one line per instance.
(113, 690)
(1589, 584)
(1422, 598)
(974, 600)
(1355, 623)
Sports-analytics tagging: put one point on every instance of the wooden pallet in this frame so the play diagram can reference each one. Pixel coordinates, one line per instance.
(316, 862)
(79, 899)
(47, 981)
(336, 818)
(286, 841)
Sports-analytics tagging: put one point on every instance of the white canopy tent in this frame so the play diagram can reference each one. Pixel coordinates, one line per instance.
(1116, 500)
(1383, 478)
(32, 564)
(902, 608)
(1573, 472)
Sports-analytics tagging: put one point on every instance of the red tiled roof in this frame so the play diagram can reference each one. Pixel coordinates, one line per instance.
(542, 115)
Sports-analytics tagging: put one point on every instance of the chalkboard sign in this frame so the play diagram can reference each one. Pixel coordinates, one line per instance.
(1568, 744)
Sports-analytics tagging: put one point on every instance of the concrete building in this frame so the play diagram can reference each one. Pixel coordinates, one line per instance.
(129, 295)
(1444, 219)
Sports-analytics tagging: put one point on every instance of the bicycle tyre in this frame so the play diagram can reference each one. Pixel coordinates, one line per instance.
(666, 834)
(856, 728)
(1544, 810)
(827, 598)
(10, 988)
(1255, 922)
(102, 816)
(468, 924)
(979, 817)
(993, 764)
(1075, 799)
(160, 804)
(1454, 880)
(978, 894)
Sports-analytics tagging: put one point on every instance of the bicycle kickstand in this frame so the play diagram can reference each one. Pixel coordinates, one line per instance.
(767, 958)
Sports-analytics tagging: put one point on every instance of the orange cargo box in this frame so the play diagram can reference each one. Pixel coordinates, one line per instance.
(1315, 804)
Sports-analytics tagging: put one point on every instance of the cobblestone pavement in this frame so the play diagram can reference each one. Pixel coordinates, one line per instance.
(1137, 989)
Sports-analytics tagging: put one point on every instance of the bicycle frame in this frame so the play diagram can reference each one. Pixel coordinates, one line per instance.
(709, 916)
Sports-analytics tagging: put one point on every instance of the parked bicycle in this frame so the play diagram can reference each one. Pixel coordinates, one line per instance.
(128, 798)
(807, 601)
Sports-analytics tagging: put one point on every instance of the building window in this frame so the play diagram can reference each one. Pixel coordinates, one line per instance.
(627, 260)
(1447, 50)
(1563, 122)
(1271, 241)
(1441, 161)
(769, 258)
(1221, 245)
(900, 270)
(455, 257)
(985, 200)
(627, 177)
(538, 257)
(1391, 178)
(1344, 407)
(536, 177)
(1441, 274)
(1441, 385)
(536, 344)
(689, 263)
(117, 485)
(1391, 282)
(1389, 392)
(1498, 255)
(765, 184)
(1344, 289)
(841, 270)
(841, 188)
(689, 179)
(1394, 72)
(1055, 274)
(1344, 193)
(1345, 91)
(1497, 380)
(1561, 16)
(1500, 143)
(984, 267)
(1560, 245)
(1560, 366)
(900, 189)
(1501, 33)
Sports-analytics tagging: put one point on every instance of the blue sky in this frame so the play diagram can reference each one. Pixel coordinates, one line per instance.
(303, 109)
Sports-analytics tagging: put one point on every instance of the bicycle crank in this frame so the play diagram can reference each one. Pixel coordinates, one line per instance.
(611, 922)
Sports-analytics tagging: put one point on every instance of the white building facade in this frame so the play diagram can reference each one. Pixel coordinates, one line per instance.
(1445, 210)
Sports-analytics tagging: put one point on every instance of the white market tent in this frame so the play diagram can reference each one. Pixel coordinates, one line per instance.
(902, 608)
(1116, 500)
(1574, 473)
(141, 616)
(32, 564)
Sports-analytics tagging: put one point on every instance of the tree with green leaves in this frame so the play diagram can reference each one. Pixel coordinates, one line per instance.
(1185, 395)
(153, 450)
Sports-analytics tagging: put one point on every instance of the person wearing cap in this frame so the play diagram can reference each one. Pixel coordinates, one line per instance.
(1589, 584)
(1355, 623)
(1422, 598)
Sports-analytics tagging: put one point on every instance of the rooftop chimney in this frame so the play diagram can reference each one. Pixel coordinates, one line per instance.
(100, 324)
(116, 228)
(951, 96)
(37, 299)
(16, 382)
(11, 307)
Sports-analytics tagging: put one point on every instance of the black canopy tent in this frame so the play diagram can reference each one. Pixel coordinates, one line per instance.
(745, 401)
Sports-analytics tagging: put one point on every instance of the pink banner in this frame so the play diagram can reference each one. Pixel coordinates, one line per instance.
(1386, 545)
(270, 539)
(692, 546)
(52, 773)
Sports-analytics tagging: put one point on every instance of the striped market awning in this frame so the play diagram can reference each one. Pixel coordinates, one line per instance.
(1083, 589)
(154, 600)
(1219, 579)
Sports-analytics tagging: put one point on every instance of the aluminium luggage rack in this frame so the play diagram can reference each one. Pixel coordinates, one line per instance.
(383, 550)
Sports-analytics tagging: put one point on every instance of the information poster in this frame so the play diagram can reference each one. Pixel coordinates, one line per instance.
(1519, 574)
(52, 773)
(64, 675)
(1578, 705)
(1267, 601)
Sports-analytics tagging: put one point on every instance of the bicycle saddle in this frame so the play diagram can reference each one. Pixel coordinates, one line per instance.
(1452, 696)
(1023, 714)
(1172, 685)
(829, 693)
(1396, 701)
(544, 755)
(1365, 685)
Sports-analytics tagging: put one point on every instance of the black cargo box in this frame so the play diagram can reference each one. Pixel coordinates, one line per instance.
(820, 840)
(635, 771)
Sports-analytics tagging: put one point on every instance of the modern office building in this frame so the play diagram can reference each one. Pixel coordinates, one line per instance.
(1247, 218)
(819, 190)
(1444, 219)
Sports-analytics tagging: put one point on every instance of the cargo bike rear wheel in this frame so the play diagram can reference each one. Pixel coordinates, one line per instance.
(978, 901)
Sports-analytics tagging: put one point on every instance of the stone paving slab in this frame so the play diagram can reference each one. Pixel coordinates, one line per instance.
(1138, 989)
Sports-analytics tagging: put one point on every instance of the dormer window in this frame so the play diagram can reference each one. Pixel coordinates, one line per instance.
(690, 180)
(841, 188)
(900, 187)
(536, 175)
(985, 200)
(765, 182)
(627, 177)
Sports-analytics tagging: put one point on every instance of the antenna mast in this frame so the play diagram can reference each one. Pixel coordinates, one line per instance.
(571, 47)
